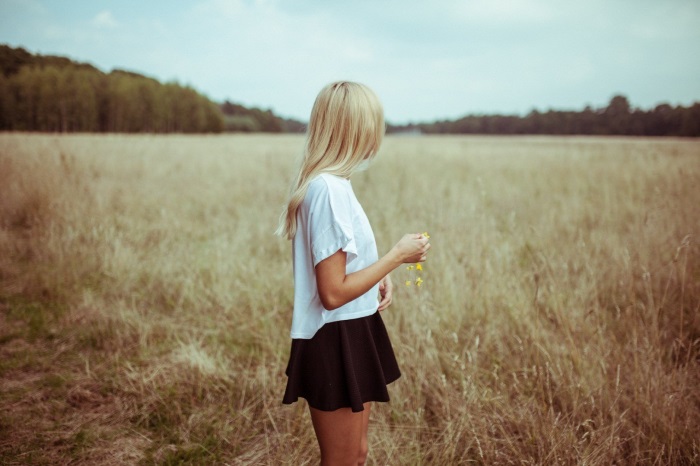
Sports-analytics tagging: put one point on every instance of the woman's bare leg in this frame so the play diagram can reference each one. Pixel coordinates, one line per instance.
(340, 434)
(364, 446)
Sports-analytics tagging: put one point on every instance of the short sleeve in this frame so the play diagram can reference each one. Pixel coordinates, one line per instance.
(330, 221)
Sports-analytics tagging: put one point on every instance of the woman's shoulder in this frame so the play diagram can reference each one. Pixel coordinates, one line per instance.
(327, 187)
(324, 182)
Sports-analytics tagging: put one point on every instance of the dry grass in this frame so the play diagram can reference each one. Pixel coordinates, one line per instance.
(145, 304)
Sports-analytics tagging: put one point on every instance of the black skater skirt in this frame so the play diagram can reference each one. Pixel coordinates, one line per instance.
(345, 364)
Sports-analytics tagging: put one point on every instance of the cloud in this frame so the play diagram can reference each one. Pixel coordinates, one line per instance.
(104, 20)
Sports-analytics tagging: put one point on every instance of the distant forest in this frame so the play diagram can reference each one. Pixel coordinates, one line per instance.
(56, 94)
(618, 118)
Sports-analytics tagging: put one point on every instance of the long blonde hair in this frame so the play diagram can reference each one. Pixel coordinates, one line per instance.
(345, 128)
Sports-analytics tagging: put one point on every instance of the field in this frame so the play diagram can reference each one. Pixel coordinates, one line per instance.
(145, 304)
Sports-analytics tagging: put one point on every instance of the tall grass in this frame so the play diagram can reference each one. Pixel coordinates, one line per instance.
(145, 304)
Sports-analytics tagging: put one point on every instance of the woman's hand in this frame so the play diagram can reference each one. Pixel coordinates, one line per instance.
(336, 288)
(412, 248)
(386, 289)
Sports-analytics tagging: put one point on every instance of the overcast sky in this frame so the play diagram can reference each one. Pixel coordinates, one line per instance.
(425, 60)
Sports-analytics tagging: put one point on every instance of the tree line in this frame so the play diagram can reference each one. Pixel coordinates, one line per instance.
(56, 94)
(617, 118)
(46, 93)
(51, 93)
(238, 118)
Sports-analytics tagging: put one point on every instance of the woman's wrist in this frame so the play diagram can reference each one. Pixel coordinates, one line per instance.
(394, 258)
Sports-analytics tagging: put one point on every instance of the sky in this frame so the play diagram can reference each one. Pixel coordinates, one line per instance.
(426, 60)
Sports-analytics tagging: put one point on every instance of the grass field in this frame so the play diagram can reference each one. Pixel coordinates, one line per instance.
(145, 304)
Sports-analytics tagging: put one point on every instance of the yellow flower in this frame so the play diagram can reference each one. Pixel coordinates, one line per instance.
(419, 267)
(408, 282)
(419, 281)
(426, 235)
(410, 267)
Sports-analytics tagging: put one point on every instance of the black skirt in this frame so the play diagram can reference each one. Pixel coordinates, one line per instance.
(345, 364)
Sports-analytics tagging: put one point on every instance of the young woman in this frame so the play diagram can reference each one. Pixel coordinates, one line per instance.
(341, 358)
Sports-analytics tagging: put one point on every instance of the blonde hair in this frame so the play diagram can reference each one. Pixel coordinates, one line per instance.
(345, 128)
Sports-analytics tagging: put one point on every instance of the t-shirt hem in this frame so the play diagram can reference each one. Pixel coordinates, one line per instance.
(354, 315)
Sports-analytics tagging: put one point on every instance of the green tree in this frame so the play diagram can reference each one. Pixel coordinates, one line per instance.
(6, 104)
(618, 115)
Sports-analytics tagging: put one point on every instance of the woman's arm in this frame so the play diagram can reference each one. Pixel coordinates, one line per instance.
(335, 288)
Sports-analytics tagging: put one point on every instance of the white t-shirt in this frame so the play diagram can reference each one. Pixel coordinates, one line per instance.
(329, 219)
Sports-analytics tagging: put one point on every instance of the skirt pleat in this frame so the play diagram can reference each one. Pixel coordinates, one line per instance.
(345, 364)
